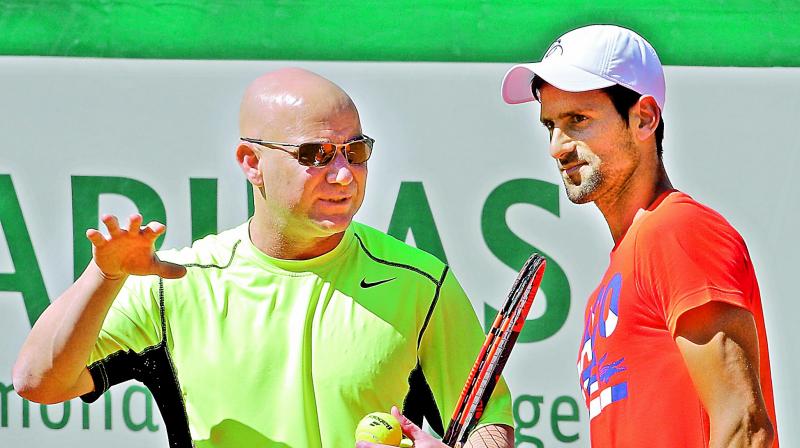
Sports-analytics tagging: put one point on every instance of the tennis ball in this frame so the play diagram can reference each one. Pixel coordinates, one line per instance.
(379, 427)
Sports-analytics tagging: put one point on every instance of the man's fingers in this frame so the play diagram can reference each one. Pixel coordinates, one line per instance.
(405, 423)
(409, 428)
(96, 238)
(135, 223)
(154, 229)
(111, 224)
(166, 269)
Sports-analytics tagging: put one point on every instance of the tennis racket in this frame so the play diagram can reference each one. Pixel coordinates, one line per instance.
(495, 351)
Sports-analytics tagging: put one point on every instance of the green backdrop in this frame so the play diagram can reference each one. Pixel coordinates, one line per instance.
(685, 32)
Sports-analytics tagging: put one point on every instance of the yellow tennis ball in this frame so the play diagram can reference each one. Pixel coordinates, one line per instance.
(379, 427)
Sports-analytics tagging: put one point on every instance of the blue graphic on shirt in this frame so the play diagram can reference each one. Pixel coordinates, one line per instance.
(609, 370)
(596, 371)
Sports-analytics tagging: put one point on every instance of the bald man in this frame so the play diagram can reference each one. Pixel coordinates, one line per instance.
(284, 331)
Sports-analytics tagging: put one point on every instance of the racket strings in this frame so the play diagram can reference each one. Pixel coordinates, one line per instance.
(491, 437)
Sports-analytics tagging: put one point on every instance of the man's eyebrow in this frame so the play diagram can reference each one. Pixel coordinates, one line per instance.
(355, 137)
(568, 113)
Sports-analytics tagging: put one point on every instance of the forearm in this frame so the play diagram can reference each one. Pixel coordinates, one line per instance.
(55, 353)
(491, 436)
(738, 416)
(719, 345)
(750, 429)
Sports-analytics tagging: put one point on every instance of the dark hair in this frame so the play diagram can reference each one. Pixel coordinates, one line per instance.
(623, 99)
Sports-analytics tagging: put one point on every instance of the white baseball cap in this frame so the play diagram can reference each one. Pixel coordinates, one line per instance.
(589, 58)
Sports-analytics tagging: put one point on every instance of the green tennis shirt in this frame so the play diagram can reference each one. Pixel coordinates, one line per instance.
(252, 351)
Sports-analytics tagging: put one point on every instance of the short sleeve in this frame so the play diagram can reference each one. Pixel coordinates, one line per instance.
(449, 346)
(692, 258)
(132, 325)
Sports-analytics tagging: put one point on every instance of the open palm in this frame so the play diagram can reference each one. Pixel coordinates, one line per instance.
(130, 251)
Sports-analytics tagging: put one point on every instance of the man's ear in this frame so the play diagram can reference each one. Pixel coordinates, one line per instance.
(248, 160)
(645, 116)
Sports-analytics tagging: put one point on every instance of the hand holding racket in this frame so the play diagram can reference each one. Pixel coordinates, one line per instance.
(488, 366)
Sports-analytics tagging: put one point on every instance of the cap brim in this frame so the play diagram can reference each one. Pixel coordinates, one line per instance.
(517, 82)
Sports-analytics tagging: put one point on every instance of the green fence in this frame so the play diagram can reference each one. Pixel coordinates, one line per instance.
(700, 33)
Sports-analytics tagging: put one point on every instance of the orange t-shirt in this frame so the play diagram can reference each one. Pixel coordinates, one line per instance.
(677, 255)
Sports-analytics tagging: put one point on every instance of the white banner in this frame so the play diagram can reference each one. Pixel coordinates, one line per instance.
(161, 135)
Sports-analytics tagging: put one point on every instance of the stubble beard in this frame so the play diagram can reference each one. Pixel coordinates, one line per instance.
(604, 182)
(585, 191)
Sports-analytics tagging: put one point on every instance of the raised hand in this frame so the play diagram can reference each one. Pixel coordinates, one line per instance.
(130, 251)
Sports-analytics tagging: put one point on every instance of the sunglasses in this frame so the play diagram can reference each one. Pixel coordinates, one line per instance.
(320, 154)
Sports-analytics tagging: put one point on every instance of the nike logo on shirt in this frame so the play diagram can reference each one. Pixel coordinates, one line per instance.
(365, 284)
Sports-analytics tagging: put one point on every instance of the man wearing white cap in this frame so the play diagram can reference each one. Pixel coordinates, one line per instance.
(674, 350)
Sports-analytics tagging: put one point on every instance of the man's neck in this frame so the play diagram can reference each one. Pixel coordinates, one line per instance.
(639, 193)
(281, 244)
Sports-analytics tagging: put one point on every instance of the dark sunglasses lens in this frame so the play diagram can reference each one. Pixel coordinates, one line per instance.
(315, 154)
(359, 152)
